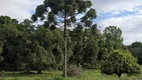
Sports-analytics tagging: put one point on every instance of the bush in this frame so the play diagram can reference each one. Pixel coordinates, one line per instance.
(73, 70)
(120, 62)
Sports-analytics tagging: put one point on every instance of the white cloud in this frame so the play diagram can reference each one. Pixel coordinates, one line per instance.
(130, 25)
(19, 9)
(116, 12)
(115, 5)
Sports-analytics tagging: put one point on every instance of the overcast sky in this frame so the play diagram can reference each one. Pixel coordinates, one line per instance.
(125, 14)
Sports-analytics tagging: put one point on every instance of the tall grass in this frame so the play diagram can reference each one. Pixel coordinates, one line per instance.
(56, 75)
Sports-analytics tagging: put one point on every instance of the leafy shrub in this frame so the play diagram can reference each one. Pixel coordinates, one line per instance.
(119, 62)
(73, 70)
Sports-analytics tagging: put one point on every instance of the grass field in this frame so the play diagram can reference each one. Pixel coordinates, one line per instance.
(56, 75)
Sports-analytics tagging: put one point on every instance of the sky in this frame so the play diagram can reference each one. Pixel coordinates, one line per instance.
(125, 14)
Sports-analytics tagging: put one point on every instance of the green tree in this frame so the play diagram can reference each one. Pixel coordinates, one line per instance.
(25, 57)
(92, 46)
(136, 49)
(16, 41)
(42, 40)
(57, 47)
(120, 61)
(41, 58)
(77, 39)
(65, 11)
(102, 55)
(5, 20)
(113, 38)
(10, 38)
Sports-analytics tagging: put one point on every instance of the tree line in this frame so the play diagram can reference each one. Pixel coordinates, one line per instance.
(25, 46)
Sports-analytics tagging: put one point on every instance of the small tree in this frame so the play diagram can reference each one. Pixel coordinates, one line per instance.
(119, 62)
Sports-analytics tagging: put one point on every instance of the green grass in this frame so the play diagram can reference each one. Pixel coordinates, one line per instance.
(56, 75)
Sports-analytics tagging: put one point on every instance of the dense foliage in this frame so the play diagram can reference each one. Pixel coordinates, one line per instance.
(57, 12)
(136, 49)
(25, 46)
(120, 61)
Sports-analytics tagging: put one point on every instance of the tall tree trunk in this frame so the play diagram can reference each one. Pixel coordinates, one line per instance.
(65, 44)
(65, 58)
